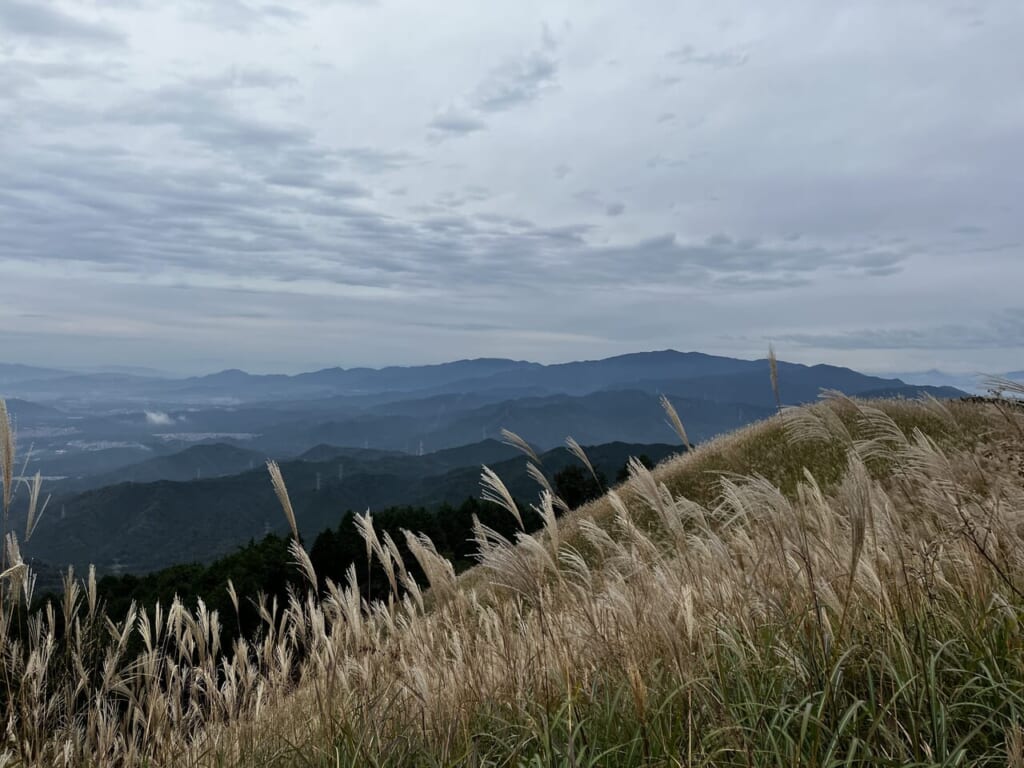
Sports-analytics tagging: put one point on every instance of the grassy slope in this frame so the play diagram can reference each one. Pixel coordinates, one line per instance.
(841, 585)
(745, 642)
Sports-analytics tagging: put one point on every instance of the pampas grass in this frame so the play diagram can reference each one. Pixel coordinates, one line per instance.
(6, 459)
(847, 596)
(773, 373)
(511, 438)
(281, 491)
(577, 450)
(674, 421)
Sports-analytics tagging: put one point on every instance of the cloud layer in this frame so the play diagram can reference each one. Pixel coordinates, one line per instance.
(195, 185)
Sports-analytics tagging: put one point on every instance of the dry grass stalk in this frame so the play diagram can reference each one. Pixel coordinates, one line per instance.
(494, 490)
(282, 496)
(6, 456)
(577, 450)
(674, 421)
(511, 438)
(773, 372)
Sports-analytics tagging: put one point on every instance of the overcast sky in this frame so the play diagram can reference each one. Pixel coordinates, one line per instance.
(202, 184)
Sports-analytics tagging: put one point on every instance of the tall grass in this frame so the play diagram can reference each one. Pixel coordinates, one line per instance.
(839, 585)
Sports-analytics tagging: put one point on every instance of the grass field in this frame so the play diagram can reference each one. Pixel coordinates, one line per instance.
(842, 584)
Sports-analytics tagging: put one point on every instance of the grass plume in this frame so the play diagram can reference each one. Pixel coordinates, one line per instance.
(282, 496)
(674, 421)
(511, 438)
(6, 458)
(773, 374)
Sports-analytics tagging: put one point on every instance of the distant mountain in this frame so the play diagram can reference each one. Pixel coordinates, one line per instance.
(28, 413)
(797, 384)
(326, 452)
(106, 422)
(131, 370)
(599, 417)
(87, 388)
(146, 526)
(484, 452)
(620, 372)
(415, 378)
(193, 463)
(13, 373)
(481, 377)
(97, 459)
(334, 381)
(968, 382)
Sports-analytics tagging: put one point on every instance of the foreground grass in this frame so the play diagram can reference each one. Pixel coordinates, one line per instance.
(840, 585)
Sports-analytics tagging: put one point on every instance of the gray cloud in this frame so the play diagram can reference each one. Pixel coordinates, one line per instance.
(372, 160)
(205, 117)
(723, 59)
(455, 122)
(43, 23)
(1004, 331)
(313, 181)
(516, 82)
(738, 262)
(244, 78)
(240, 16)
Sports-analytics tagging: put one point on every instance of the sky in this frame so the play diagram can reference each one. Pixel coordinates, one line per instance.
(193, 185)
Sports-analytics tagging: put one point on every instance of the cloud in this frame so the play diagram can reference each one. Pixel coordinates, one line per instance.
(244, 78)
(469, 194)
(14, 80)
(516, 81)
(723, 59)
(316, 182)
(1004, 331)
(455, 122)
(731, 262)
(239, 16)
(373, 160)
(159, 419)
(42, 23)
(204, 116)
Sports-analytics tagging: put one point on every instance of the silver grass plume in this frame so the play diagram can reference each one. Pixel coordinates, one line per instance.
(6, 455)
(35, 513)
(495, 491)
(577, 450)
(674, 421)
(773, 372)
(282, 495)
(511, 438)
